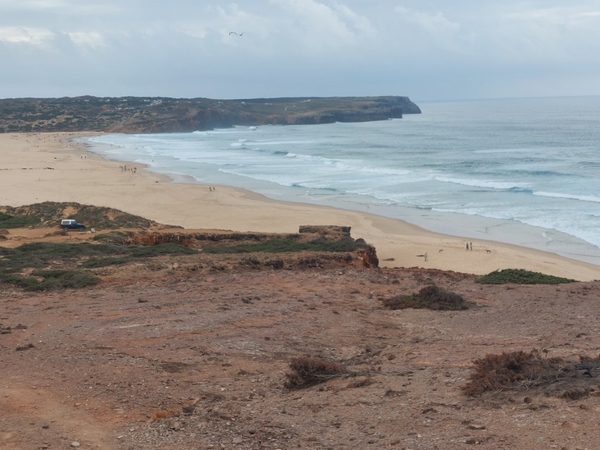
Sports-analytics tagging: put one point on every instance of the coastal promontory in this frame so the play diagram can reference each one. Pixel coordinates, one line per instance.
(163, 115)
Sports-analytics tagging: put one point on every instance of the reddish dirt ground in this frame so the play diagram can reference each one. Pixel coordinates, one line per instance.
(162, 357)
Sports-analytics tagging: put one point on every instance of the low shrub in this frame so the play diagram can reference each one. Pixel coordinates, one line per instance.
(50, 280)
(39, 255)
(18, 280)
(512, 370)
(520, 276)
(7, 221)
(95, 263)
(135, 253)
(306, 371)
(430, 297)
(63, 279)
(48, 251)
(576, 394)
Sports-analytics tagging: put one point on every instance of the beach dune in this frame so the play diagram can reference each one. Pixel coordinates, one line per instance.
(37, 167)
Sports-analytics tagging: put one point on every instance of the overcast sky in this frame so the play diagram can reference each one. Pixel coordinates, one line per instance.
(425, 49)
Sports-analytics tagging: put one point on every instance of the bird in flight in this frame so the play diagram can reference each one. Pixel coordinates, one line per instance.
(233, 32)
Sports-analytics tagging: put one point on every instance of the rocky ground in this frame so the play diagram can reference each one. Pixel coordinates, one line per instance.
(178, 354)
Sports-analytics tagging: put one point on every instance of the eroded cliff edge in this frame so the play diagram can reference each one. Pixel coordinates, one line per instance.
(163, 115)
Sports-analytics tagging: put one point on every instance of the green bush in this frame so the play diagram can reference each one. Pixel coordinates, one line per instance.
(49, 251)
(7, 221)
(18, 280)
(42, 255)
(137, 253)
(62, 279)
(38, 255)
(95, 263)
(430, 297)
(520, 276)
(51, 279)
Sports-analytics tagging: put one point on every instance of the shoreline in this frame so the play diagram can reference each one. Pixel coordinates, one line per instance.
(219, 168)
(38, 167)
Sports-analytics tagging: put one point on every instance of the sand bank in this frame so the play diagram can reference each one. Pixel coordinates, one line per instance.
(48, 167)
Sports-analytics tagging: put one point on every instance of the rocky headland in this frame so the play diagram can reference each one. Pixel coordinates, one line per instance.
(164, 115)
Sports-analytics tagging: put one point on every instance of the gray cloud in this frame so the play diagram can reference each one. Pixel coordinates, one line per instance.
(427, 50)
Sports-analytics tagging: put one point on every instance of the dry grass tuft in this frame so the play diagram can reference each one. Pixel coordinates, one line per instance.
(307, 371)
(500, 372)
(520, 371)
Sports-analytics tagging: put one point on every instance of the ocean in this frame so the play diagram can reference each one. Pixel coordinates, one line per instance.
(520, 171)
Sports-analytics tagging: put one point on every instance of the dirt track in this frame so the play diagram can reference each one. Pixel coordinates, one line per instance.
(175, 359)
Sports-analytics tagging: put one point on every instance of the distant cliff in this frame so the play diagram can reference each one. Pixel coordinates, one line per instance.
(163, 115)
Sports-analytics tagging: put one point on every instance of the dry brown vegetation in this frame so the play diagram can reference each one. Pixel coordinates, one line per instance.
(306, 371)
(521, 371)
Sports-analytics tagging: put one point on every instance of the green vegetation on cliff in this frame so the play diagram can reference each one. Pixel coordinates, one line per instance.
(160, 114)
(49, 214)
(520, 276)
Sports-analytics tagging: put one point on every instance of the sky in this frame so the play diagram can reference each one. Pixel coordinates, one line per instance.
(429, 50)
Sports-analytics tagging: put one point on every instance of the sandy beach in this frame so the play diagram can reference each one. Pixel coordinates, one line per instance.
(39, 167)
